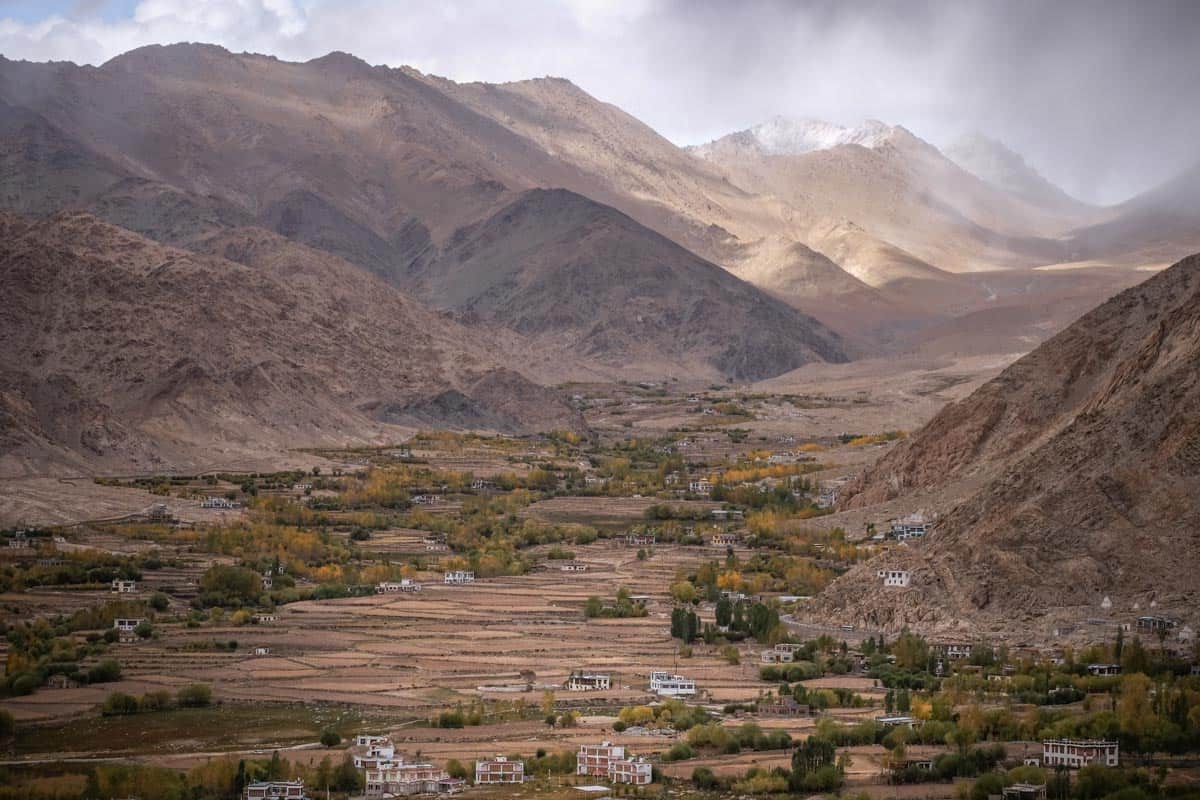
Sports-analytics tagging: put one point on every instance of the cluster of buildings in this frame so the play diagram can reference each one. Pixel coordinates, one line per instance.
(389, 774)
(607, 760)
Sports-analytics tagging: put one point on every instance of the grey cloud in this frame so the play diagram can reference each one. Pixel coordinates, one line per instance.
(1102, 96)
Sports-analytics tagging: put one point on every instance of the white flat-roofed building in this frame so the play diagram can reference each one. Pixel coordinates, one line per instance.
(404, 585)
(218, 502)
(459, 576)
(589, 681)
(895, 577)
(634, 770)
(665, 684)
(124, 586)
(275, 790)
(914, 526)
(594, 759)
(401, 778)
(896, 721)
(1076, 753)
(372, 752)
(499, 770)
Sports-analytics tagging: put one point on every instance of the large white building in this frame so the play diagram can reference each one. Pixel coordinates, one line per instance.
(1076, 753)
(914, 526)
(275, 790)
(499, 770)
(607, 760)
(665, 684)
(459, 576)
(895, 577)
(589, 681)
(401, 778)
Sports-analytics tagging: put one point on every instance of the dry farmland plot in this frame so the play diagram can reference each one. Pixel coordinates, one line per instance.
(411, 656)
(603, 512)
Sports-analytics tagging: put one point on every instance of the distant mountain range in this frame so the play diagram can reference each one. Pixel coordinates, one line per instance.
(539, 220)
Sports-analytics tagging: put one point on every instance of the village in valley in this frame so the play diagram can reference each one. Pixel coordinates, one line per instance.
(623, 613)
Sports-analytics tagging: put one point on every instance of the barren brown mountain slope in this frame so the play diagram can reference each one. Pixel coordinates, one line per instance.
(123, 353)
(388, 170)
(1088, 454)
(871, 212)
(560, 268)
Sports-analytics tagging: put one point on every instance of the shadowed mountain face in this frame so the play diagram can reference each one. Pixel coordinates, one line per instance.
(1087, 455)
(124, 353)
(554, 265)
(395, 173)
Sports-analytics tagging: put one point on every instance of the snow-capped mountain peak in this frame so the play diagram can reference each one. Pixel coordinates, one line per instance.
(787, 136)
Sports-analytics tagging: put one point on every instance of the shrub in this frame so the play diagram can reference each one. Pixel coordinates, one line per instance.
(198, 695)
(106, 671)
(679, 752)
(449, 719)
(23, 683)
(155, 701)
(120, 703)
(330, 738)
(704, 778)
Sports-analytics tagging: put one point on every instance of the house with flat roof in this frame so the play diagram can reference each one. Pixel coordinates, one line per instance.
(895, 577)
(218, 502)
(123, 586)
(894, 721)
(665, 684)
(403, 586)
(275, 790)
(1104, 669)
(580, 681)
(1077, 753)
(607, 760)
(401, 778)
(499, 770)
(459, 576)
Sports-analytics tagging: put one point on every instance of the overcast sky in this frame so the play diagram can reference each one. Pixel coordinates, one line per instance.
(1103, 97)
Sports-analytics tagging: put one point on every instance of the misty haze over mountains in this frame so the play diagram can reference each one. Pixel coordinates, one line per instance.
(1101, 97)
